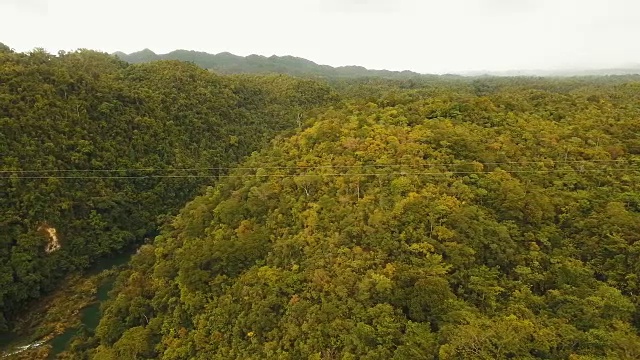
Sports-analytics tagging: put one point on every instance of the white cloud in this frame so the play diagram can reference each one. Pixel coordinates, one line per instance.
(29, 6)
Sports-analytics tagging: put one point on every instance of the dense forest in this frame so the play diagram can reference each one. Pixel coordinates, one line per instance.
(420, 218)
(93, 152)
(488, 219)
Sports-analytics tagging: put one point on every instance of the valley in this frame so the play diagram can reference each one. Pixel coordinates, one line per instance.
(270, 216)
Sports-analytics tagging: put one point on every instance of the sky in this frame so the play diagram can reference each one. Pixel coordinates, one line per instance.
(427, 36)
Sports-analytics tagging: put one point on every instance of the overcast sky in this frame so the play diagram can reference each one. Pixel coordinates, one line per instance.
(428, 36)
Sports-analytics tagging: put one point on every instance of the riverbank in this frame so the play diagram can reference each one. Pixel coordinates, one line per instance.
(51, 317)
(49, 325)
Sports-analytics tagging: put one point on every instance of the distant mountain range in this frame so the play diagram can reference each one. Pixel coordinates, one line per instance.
(230, 64)
(633, 69)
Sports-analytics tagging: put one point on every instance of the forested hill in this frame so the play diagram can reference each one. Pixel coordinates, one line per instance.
(494, 220)
(94, 152)
(426, 218)
(227, 63)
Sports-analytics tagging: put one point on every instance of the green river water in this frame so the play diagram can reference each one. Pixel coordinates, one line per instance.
(89, 316)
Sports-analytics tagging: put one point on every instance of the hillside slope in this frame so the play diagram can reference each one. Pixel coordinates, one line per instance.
(93, 153)
(429, 223)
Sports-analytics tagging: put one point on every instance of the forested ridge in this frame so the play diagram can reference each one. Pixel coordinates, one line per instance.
(228, 63)
(89, 146)
(481, 219)
(422, 218)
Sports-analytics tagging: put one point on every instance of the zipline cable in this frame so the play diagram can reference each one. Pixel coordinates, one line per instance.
(321, 174)
(310, 167)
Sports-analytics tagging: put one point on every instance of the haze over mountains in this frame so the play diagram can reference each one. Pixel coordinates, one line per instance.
(228, 63)
(629, 69)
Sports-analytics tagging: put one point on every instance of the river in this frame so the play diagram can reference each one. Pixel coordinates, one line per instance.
(13, 343)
